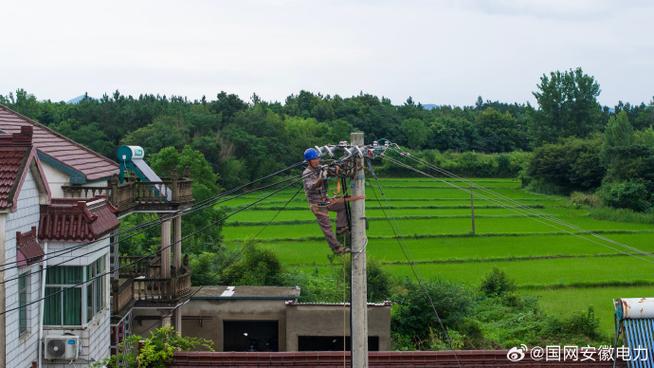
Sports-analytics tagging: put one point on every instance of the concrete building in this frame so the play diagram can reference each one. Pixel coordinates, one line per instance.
(264, 318)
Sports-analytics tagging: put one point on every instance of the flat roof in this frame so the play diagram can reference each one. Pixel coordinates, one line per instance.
(216, 292)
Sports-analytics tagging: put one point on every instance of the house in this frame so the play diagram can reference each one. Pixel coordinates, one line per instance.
(269, 319)
(60, 205)
(23, 189)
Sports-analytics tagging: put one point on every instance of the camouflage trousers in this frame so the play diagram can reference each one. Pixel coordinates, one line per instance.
(322, 217)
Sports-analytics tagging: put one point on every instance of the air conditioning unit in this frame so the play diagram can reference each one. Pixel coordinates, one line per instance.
(61, 347)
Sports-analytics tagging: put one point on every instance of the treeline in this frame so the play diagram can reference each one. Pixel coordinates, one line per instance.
(245, 140)
(615, 168)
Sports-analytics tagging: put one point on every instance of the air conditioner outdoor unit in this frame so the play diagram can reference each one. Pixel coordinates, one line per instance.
(61, 347)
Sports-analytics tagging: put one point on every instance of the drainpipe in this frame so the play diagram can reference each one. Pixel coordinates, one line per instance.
(44, 268)
(3, 351)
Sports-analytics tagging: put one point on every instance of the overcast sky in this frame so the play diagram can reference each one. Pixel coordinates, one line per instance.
(441, 52)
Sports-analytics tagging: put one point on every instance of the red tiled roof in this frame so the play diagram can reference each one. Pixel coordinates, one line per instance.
(28, 249)
(91, 164)
(14, 153)
(74, 220)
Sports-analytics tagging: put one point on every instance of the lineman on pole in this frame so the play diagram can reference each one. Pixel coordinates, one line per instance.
(315, 187)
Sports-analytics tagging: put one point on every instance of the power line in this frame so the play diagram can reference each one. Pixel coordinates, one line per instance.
(526, 209)
(62, 289)
(550, 224)
(538, 214)
(196, 207)
(413, 270)
(153, 222)
(38, 271)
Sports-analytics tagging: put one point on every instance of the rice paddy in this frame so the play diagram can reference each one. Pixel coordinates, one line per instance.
(558, 261)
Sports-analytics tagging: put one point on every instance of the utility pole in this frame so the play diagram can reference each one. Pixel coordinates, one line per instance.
(359, 299)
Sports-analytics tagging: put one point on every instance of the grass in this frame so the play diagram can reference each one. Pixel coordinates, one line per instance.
(567, 272)
(571, 300)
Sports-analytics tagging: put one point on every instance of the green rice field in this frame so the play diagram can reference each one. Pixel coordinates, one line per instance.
(559, 261)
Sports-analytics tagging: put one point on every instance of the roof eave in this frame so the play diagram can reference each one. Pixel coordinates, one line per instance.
(76, 176)
(32, 121)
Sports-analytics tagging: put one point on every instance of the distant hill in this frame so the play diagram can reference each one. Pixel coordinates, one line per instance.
(76, 100)
(429, 106)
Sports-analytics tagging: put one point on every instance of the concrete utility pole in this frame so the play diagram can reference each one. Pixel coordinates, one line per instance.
(359, 302)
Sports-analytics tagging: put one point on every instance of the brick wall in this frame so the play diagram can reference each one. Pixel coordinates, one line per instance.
(440, 359)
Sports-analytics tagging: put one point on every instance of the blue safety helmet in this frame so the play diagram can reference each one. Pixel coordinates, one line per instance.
(311, 154)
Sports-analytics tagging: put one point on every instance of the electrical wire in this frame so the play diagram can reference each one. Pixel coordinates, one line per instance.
(40, 270)
(526, 208)
(196, 207)
(111, 270)
(536, 218)
(413, 270)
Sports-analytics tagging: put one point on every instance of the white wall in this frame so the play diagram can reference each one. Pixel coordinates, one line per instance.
(94, 336)
(56, 179)
(22, 350)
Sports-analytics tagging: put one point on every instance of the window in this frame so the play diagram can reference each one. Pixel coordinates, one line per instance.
(95, 300)
(67, 302)
(63, 303)
(23, 299)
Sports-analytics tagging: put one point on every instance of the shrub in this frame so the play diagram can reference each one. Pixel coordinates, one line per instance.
(256, 267)
(156, 351)
(414, 315)
(497, 283)
(585, 199)
(581, 327)
(631, 194)
(571, 165)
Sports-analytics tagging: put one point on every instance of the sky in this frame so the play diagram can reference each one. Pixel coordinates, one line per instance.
(438, 52)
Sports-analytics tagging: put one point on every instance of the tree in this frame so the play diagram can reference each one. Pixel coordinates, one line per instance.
(453, 133)
(207, 223)
(415, 132)
(227, 105)
(499, 132)
(618, 133)
(165, 131)
(89, 134)
(415, 317)
(573, 164)
(255, 266)
(568, 106)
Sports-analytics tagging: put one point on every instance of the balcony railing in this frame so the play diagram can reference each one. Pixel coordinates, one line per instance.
(135, 266)
(122, 295)
(168, 194)
(148, 285)
(163, 290)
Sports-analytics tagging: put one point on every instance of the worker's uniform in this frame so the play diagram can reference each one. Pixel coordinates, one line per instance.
(320, 204)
